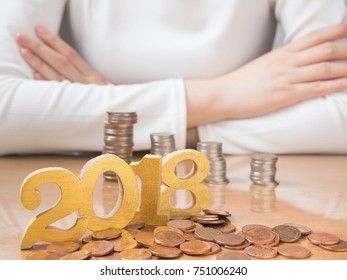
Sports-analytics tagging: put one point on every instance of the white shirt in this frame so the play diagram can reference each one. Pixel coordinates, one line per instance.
(147, 49)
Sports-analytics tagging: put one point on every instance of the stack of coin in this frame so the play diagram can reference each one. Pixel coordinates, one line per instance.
(213, 151)
(162, 143)
(118, 137)
(263, 169)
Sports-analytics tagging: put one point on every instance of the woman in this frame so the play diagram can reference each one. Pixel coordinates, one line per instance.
(202, 67)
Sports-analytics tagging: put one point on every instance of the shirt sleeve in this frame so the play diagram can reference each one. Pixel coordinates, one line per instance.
(314, 126)
(49, 116)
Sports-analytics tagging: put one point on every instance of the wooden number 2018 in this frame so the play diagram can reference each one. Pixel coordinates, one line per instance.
(77, 195)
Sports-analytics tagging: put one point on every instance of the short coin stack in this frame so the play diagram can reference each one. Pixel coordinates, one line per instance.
(118, 138)
(162, 143)
(213, 151)
(208, 233)
(263, 169)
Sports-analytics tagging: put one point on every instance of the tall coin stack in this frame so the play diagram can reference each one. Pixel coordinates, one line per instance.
(263, 169)
(162, 143)
(214, 153)
(118, 137)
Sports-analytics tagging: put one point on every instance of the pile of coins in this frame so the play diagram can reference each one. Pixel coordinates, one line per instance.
(209, 233)
(118, 137)
(162, 143)
(263, 169)
(214, 153)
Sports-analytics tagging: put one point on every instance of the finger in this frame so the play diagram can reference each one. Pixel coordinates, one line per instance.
(306, 91)
(320, 71)
(317, 37)
(322, 52)
(57, 61)
(63, 48)
(47, 72)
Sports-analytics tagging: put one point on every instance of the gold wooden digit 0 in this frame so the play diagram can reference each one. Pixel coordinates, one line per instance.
(193, 184)
(90, 174)
(71, 193)
(149, 169)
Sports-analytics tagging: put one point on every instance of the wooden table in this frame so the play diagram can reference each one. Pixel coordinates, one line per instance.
(312, 191)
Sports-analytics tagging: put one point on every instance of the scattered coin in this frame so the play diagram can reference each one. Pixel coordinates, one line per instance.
(107, 234)
(189, 236)
(206, 233)
(77, 255)
(229, 239)
(217, 212)
(124, 243)
(287, 233)
(135, 224)
(224, 228)
(261, 252)
(195, 247)
(303, 229)
(260, 235)
(198, 218)
(239, 247)
(43, 255)
(99, 248)
(250, 226)
(169, 238)
(145, 238)
(135, 254)
(132, 232)
(323, 238)
(63, 247)
(341, 246)
(215, 248)
(167, 228)
(181, 224)
(232, 256)
(165, 252)
(294, 251)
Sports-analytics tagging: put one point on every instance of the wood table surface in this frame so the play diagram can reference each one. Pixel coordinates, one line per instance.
(312, 191)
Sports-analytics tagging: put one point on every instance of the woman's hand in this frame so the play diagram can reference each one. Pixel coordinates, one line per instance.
(304, 69)
(52, 59)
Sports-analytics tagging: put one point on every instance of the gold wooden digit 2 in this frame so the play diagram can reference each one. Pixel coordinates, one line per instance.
(71, 198)
(193, 184)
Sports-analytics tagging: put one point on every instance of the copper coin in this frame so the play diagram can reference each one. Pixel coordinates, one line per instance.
(323, 238)
(197, 218)
(294, 251)
(207, 234)
(130, 232)
(215, 248)
(145, 238)
(99, 248)
(229, 239)
(338, 247)
(217, 222)
(232, 256)
(107, 234)
(195, 247)
(165, 252)
(169, 238)
(251, 226)
(189, 236)
(148, 228)
(239, 247)
(303, 229)
(63, 247)
(217, 212)
(167, 228)
(123, 243)
(43, 255)
(275, 242)
(181, 224)
(224, 228)
(261, 252)
(287, 233)
(112, 256)
(259, 235)
(135, 254)
(135, 224)
(78, 255)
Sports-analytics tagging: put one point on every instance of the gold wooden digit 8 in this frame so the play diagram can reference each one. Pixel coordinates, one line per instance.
(71, 193)
(90, 174)
(193, 184)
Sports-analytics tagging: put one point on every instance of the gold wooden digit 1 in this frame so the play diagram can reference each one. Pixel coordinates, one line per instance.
(149, 169)
(90, 174)
(70, 201)
(193, 184)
